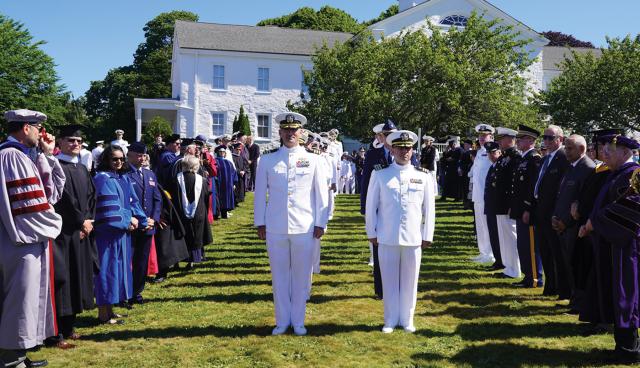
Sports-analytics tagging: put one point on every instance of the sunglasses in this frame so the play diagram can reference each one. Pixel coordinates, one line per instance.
(116, 159)
(40, 127)
(549, 137)
(75, 140)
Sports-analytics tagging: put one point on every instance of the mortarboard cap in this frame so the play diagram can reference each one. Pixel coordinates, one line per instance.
(138, 147)
(172, 138)
(71, 130)
(619, 140)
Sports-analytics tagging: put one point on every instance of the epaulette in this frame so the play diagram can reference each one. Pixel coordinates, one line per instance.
(379, 167)
(270, 151)
(422, 169)
(314, 151)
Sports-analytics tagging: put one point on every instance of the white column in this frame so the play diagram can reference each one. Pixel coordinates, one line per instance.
(138, 122)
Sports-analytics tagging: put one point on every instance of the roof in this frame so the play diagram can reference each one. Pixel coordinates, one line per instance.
(240, 38)
(555, 55)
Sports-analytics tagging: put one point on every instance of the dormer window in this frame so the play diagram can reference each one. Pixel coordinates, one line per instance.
(454, 20)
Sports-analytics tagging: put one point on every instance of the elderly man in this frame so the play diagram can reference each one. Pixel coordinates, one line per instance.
(614, 224)
(290, 210)
(32, 180)
(400, 220)
(552, 170)
(478, 175)
(580, 170)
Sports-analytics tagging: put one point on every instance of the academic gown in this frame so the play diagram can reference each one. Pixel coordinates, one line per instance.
(170, 242)
(196, 227)
(451, 185)
(75, 259)
(241, 165)
(615, 218)
(116, 204)
(227, 178)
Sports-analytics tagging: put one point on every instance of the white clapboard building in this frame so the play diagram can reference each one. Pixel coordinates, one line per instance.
(216, 68)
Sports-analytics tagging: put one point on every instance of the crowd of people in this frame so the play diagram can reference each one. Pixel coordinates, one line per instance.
(562, 216)
(86, 229)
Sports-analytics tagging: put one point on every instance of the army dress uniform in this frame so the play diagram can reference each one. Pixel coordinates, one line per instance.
(400, 214)
(292, 180)
(524, 180)
(507, 233)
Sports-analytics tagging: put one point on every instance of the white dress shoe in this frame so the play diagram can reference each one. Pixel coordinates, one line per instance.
(299, 330)
(410, 329)
(387, 329)
(279, 330)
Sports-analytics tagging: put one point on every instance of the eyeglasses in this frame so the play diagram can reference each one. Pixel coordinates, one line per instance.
(116, 159)
(75, 140)
(549, 137)
(40, 127)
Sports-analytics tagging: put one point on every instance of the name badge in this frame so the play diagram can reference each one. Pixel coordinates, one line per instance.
(415, 181)
(152, 183)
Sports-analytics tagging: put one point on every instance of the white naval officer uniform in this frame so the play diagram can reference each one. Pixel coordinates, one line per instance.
(122, 144)
(291, 199)
(400, 213)
(478, 176)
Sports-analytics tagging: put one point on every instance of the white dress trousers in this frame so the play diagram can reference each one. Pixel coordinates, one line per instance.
(482, 230)
(509, 245)
(399, 268)
(290, 258)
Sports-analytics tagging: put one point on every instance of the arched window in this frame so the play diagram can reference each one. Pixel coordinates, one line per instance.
(455, 20)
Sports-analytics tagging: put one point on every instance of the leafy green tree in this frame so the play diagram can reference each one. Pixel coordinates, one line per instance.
(599, 92)
(157, 126)
(110, 101)
(27, 74)
(444, 82)
(566, 40)
(391, 11)
(325, 19)
(241, 122)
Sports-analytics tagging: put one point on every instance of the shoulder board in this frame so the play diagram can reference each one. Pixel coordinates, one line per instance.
(421, 169)
(331, 154)
(601, 168)
(380, 167)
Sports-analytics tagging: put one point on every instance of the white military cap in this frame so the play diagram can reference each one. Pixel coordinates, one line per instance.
(99, 142)
(334, 131)
(428, 138)
(402, 138)
(484, 129)
(502, 132)
(378, 128)
(24, 116)
(453, 138)
(119, 131)
(85, 145)
(291, 120)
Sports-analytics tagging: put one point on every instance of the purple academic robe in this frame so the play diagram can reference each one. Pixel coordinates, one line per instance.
(227, 178)
(616, 223)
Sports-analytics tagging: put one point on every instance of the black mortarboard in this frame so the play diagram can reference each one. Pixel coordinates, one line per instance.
(137, 147)
(492, 146)
(172, 138)
(186, 142)
(596, 134)
(71, 130)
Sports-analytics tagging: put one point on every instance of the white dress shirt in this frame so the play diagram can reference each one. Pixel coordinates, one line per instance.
(291, 195)
(400, 206)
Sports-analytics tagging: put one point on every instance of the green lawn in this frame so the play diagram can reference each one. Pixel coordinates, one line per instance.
(221, 314)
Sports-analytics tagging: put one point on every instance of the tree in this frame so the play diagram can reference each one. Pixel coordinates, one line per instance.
(391, 11)
(325, 19)
(444, 82)
(599, 92)
(157, 126)
(27, 74)
(565, 40)
(241, 122)
(110, 101)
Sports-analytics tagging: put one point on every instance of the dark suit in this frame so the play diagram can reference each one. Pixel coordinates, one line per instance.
(524, 181)
(569, 192)
(145, 186)
(547, 238)
(254, 154)
(428, 158)
(490, 199)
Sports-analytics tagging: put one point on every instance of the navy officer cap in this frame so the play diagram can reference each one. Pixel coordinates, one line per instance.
(525, 131)
(389, 127)
(492, 146)
(138, 147)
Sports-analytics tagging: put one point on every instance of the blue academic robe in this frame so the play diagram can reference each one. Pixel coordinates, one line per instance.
(116, 204)
(227, 177)
(164, 169)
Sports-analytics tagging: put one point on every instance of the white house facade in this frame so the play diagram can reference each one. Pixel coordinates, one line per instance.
(216, 68)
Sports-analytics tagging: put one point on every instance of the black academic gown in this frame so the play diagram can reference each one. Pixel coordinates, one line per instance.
(75, 260)
(195, 228)
(451, 160)
(170, 245)
(242, 164)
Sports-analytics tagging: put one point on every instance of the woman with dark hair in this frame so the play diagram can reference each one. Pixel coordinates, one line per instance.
(118, 212)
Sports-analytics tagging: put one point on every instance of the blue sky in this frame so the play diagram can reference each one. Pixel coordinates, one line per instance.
(86, 38)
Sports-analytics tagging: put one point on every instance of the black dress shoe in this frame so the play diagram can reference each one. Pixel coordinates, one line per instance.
(503, 276)
(125, 304)
(35, 363)
(157, 280)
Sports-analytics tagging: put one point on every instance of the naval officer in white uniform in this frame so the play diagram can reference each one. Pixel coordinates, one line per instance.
(478, 175)
(290, 210)
(400, 219)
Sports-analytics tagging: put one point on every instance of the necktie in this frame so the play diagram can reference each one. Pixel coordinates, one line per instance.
(388, 157)
(545, 165)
